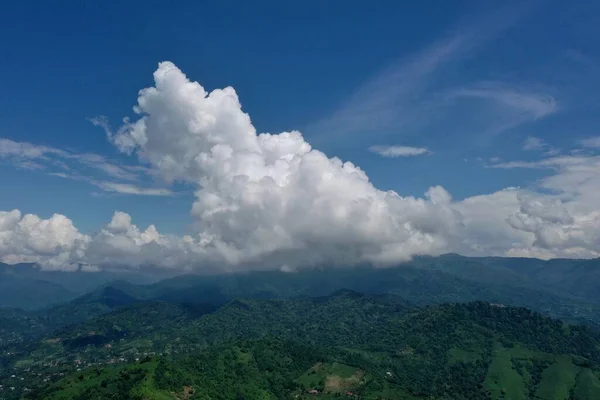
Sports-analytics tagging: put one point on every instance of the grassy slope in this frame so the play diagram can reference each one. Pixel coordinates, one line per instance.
(99, 383)
(558, 379)
(587, 385)
(502, 380)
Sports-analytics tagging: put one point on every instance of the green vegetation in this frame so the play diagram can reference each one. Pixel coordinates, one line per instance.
(502, 380)
(587, 385)
(271, 335)
(252, 370)
(558, 379)
(565, 289)
(456, 355)
(372, 346)
(332, 377)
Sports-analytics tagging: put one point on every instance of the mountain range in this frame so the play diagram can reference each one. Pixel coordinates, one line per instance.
(448, 327)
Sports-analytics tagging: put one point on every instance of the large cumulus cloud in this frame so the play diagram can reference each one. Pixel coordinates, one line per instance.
(54, 243)
(271, 197)
(271, 200)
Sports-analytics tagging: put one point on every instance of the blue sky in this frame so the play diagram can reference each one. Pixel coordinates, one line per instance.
(475, 85)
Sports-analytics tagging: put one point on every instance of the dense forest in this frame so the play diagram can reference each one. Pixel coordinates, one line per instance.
(345, 344)
(446, 327)
(562, 288)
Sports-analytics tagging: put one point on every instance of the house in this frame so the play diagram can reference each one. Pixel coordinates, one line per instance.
(313, 391)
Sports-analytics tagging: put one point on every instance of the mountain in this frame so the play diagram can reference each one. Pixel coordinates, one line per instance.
(17, 292)
(162, 326)
(565, 277)
(562, 288)
(17, 325)
(577, 278)
(425, 280)
(28, 287)
(108, 295)
(375, 346)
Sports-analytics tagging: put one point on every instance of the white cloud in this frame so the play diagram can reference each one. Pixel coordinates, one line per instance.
(501, 107)
(272, 201)
(124, 172)
(45, 157)
(382, 102)
(272, 197)
(534, 143)
(10, 148)
(530, 104)
(127, 188)
(399, 151)
(56, 162)
(54, 243)
(411, 95)
(593, 142)
(566, 222)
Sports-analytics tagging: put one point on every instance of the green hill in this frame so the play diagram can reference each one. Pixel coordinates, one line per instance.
(372, 346)
(424, 281)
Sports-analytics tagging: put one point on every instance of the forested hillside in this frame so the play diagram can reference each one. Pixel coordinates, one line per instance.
(393, 333)
(424, 281)
(564, 289)
(371, 346)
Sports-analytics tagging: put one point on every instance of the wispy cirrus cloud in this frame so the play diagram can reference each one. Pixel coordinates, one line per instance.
(382, 101)
(127, 188)
(24, 153)
(115, 187)
(531, 104)
(92, 168)
(591, 142)
(399, 151)
(504, 106)
(534, 143)
(421, 93)
(110, 168)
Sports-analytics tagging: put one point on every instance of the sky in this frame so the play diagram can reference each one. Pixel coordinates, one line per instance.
(190, 135)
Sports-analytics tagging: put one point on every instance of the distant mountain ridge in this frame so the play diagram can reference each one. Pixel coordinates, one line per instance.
(566, 289)
(28, 293)
(28, 287)
(425, 280)
(367, 319)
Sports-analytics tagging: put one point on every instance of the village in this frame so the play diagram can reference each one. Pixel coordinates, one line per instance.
(20, 379)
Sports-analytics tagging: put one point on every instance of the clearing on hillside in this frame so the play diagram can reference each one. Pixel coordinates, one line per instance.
(331, 377)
